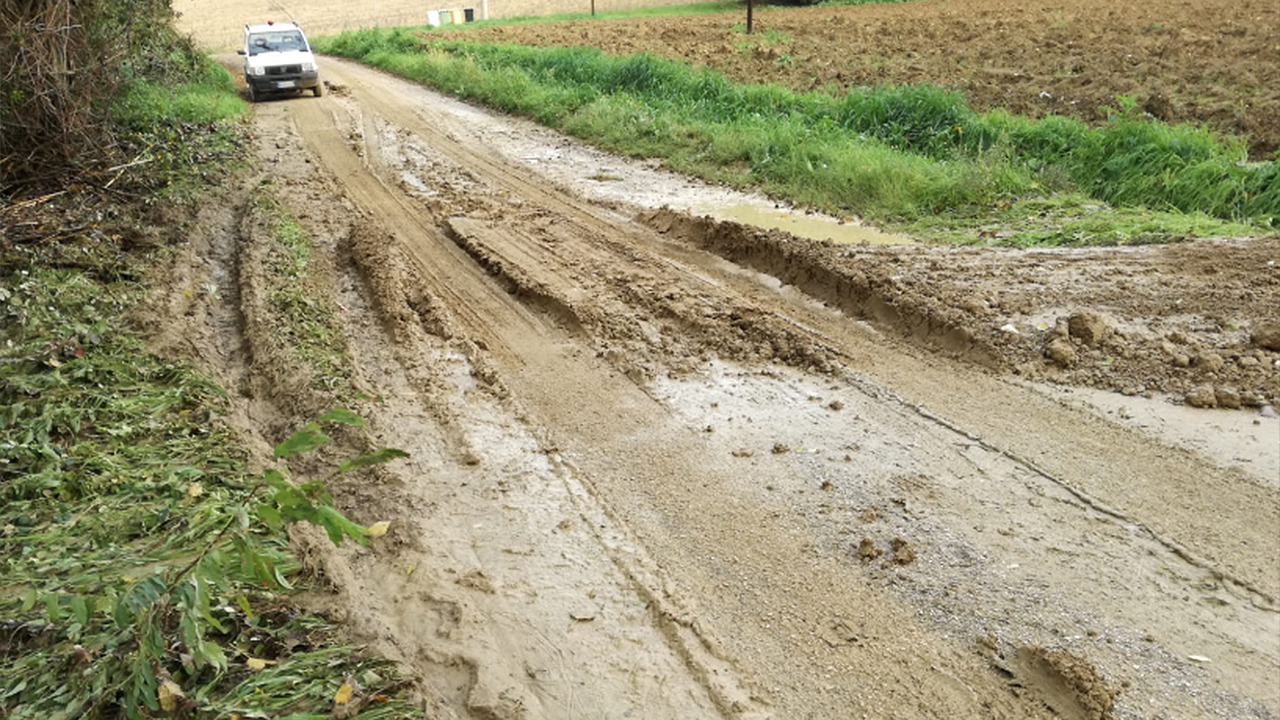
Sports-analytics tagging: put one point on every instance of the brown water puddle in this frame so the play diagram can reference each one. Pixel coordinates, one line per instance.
(801, 224)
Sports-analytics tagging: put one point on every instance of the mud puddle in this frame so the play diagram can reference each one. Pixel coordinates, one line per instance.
(1246, 441)
(802, 224)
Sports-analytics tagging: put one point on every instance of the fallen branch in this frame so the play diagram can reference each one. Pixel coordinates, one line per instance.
(29, 203)
(122, 168)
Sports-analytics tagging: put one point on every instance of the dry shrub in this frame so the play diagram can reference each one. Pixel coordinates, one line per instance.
(62, 63)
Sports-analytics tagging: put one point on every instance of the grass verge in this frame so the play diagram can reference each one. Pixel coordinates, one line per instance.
(144, 571)
(116, 476)
(177, 132)
(895, 154)
(208, 96)
(1070, 219)
(703, 8)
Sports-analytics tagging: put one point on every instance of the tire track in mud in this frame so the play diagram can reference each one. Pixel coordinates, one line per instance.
(574, 392)
(585, 264)
(608, 451)
(1166, 490)
(446, 268)
(522, 341)
(500, 572)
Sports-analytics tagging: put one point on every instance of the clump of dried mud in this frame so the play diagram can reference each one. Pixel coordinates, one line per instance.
(1071, 686)
(1194, 320)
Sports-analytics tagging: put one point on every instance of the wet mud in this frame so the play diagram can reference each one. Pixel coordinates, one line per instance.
(671, 467)
(1181, 321)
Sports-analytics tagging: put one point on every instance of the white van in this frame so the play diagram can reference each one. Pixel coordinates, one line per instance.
(277, 58)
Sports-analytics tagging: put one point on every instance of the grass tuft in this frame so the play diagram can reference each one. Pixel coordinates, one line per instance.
(305, 322)
(209, 96)
(179, 135)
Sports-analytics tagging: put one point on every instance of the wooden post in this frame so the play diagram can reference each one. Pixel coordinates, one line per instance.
(749, 8)
(593, 8)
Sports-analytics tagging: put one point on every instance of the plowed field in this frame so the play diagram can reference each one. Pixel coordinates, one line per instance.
(1215, 62)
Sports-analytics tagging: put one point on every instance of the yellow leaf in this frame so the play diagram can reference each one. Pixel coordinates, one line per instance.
(343, 696)
(169, 692)
(379, 529)
(194, 490)
(257, 663)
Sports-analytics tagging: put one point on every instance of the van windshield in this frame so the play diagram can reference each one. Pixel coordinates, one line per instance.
(283, 41)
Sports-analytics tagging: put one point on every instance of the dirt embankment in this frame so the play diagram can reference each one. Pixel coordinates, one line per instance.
(1196, 321)
(1201, 61)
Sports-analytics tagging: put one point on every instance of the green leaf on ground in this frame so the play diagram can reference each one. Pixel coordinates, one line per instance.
(305, 440)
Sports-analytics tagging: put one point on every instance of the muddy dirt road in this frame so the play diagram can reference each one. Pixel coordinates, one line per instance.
(651, 481)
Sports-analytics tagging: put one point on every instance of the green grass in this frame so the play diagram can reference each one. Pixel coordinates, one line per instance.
(305, 322)
(179, 134)
(115, 470)
(768, 38)
(893, 153)
(208, 96)
(138, 553)
(1071, 220)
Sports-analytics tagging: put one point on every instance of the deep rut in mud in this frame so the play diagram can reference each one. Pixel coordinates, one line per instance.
(647, 481)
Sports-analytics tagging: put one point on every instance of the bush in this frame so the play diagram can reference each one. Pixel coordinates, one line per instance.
(63, 64)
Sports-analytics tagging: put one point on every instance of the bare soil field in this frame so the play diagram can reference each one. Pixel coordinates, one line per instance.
(669, 467)
(218, 25)
(1215, 62)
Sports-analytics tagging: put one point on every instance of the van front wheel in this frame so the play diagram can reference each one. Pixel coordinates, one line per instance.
(318, 89)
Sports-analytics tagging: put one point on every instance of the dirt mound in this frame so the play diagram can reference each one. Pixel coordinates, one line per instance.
(1068, 684)
(1192, 320)
(1202, 61)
